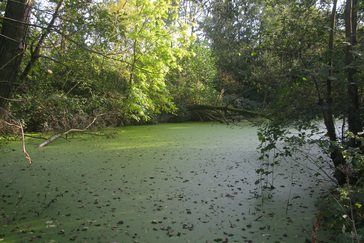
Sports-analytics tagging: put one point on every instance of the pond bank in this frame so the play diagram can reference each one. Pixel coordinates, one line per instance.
(190, 182)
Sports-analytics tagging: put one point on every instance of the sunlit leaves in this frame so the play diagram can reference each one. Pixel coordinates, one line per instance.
(135, 44)
(151, 47)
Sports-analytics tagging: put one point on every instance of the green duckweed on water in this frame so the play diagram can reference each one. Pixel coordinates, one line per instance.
(190, 182)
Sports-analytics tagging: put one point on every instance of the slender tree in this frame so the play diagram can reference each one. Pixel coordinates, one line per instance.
(351, 23)
(335, 154)
(36, 52)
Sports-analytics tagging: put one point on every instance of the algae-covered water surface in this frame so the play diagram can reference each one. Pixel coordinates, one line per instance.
(192, 182)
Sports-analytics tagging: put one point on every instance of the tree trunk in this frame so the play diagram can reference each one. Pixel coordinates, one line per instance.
(328, 117)
(351, 21)
(336, 155)
(12, 46)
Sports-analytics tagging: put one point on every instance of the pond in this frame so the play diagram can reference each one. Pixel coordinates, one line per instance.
(190, 182)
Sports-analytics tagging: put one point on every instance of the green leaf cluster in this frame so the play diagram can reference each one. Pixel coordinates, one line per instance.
(107, 57)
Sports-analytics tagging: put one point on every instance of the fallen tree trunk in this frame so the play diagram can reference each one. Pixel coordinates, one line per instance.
(48, 141)
(222, 113)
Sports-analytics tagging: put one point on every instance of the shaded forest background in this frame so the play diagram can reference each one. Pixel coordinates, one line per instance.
(287, 63)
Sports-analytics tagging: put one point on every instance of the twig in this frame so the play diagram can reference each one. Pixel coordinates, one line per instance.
(351, 217)
(24, 151)
(347, 173)
(20, 53)
(8, 99)
(35, 54)
(20, 126)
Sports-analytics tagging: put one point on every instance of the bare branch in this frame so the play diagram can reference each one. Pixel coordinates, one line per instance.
(35, 53)
(67, 132)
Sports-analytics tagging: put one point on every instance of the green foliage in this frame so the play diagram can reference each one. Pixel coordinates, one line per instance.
(352, 152)
(293, 47)
(341, 209)
(2, 6)
(233, 30)
(154, 50)
(105, 58)
(193, 81)
(2, 10)
(299, 85)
